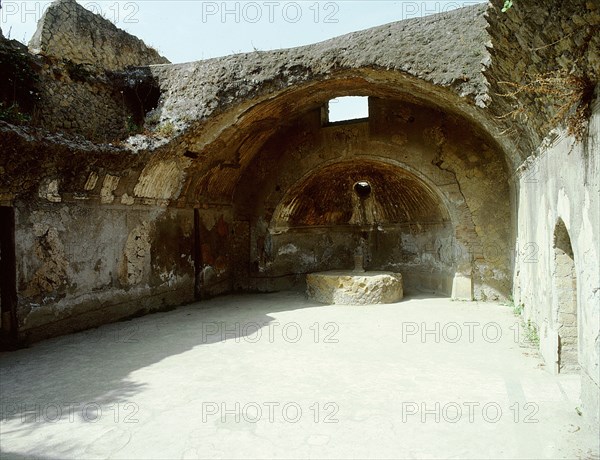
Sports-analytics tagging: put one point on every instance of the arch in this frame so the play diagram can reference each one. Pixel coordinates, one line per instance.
(564, 278)
(437, 192)
(250, 165)
(399, 196)
(406, 222)
(232, 138)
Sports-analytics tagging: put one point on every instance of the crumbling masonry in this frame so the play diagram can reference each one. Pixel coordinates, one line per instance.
(130, 185)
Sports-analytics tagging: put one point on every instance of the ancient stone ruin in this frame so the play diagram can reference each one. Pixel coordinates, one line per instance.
(130, 185)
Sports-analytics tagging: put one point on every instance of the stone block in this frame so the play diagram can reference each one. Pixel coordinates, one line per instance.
(462, 287)
(352, 288)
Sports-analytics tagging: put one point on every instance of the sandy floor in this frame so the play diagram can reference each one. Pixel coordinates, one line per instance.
(275, 376)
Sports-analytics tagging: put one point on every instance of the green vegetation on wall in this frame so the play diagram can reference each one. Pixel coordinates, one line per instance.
(18, 93)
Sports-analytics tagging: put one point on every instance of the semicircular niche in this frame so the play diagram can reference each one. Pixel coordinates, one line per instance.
(360, 193)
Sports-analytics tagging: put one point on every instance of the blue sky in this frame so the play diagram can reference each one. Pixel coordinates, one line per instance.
(191, 30)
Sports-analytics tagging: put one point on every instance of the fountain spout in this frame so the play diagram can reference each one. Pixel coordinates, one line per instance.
(359, 263)
(360, 255)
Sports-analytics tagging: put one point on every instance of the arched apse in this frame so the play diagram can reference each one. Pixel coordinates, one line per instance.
(459, 163)
(361, 192)
(397, 220)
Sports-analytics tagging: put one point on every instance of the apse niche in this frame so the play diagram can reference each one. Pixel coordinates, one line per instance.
(373, 208)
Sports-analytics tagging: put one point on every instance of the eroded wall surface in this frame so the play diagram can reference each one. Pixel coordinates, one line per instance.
(82, 99)
(215, 251)
(544, 74)
(298, 201)
(68, 30)
(204, 199)
(79, 266)
(562, 185)
(77, 98)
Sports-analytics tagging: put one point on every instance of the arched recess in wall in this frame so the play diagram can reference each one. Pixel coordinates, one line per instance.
(402, 220)
(236, 145)
(564, 310)
(250, 164)
(331, 196)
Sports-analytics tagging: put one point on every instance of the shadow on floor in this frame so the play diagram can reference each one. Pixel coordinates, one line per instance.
(92, 368)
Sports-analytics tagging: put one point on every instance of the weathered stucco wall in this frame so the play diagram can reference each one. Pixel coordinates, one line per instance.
(68, 31)
(79, 266)
(214, 240)
(562, 185)
(464, 170)
(544, 69)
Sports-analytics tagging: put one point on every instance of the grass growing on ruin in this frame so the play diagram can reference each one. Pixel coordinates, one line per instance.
(132, 126)
(167, 129)
(12, 114)
(569, 95)
(529, 328)
(507, 5)
(517, 309)
(531, 333)
(18, 88)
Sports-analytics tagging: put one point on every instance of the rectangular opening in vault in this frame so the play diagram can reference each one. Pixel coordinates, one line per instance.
(348, 108)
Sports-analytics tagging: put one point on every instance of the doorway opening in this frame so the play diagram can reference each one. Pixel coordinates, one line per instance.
(8, 278)
(565, 284)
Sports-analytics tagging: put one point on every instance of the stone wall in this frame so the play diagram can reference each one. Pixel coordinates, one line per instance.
(561, 187)
(69, 31)
(82, 99)
(543, 53)
(80, 266)
(79, 82)
(60, 95)
(543, 78)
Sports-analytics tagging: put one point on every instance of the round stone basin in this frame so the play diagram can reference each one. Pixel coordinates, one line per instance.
(346, 287)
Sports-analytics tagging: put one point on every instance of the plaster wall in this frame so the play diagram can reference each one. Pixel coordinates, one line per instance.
(215, 239)
(563, 183)
(80, 266)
